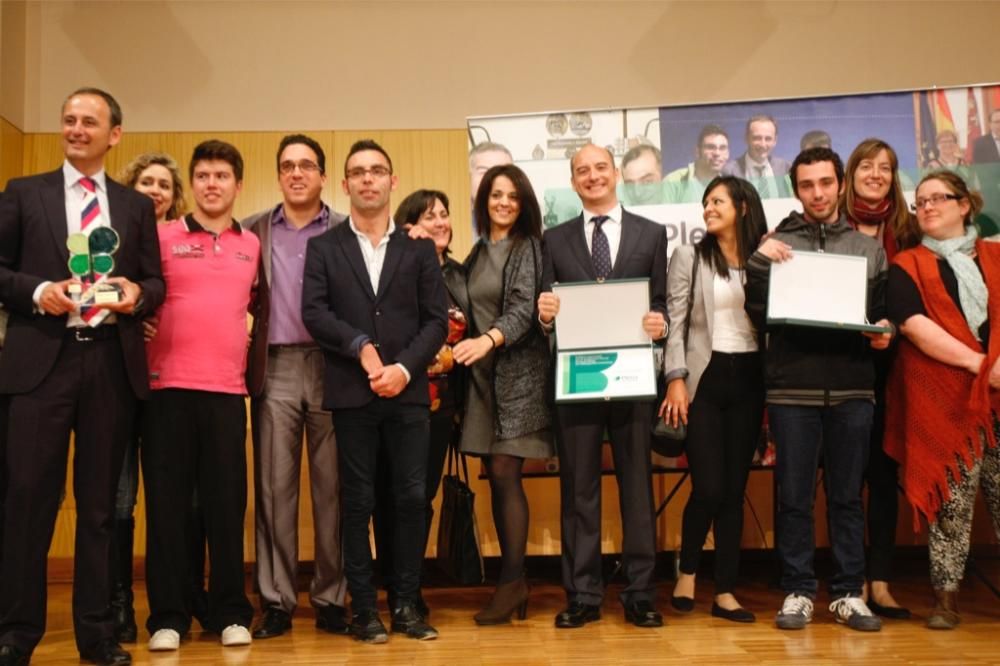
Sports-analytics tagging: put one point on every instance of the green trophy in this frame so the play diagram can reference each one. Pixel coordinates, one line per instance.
(91, 260)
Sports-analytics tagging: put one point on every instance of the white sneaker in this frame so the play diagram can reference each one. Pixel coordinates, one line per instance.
(854, 612)
(235, 634)
(164, 639)
(796, 612)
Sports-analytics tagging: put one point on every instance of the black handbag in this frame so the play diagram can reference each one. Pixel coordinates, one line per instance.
(458, 536)
(666, 439)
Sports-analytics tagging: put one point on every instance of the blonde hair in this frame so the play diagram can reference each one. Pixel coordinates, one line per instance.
(132, 171)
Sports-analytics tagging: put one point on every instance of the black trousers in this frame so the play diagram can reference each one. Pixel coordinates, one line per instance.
(883, 500)
(86, 393)
(194, 439)
(383, 432)
(579, 439)
(443, 432)
(724, 422)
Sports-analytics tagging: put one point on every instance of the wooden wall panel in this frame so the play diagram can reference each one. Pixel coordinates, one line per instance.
(11, 152)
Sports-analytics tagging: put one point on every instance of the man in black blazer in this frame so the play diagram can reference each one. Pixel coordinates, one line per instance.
(986, 149)
(374, 300)
(577, 251)
(62, 374)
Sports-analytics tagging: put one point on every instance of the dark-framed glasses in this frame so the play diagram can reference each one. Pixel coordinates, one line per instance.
(305, 166)
(934, 200)
(377, 171)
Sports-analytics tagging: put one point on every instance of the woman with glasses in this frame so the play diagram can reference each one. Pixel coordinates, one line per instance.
(506, 414)
(874, 204)
(715, 384)
(941, 421)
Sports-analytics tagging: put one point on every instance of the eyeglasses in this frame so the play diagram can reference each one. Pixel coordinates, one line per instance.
(305, 166)
(377, 171)
(934, 200)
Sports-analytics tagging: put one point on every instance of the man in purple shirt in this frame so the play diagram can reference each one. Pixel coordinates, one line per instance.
(285, 382)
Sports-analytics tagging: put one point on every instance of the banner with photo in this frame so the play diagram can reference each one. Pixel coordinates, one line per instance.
(667, 155)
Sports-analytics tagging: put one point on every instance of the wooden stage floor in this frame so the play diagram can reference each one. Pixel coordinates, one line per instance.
(691, 639)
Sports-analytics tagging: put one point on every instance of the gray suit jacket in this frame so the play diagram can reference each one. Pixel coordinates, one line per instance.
(781, 167)
(689, 362)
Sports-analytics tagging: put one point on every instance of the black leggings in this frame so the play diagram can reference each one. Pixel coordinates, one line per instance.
(724, 424)
(883, 502)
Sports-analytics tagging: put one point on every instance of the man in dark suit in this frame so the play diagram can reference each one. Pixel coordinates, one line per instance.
(605, 242)
(285, 381)
(759, 164)
(61, 374)
(374, 300)
(986, 149)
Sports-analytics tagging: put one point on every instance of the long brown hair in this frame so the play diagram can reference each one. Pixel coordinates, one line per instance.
(902, 224)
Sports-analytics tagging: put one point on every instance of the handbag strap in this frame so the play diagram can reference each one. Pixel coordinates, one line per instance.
(456, 458)
(690, 303)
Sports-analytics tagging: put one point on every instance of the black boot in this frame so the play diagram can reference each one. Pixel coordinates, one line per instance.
(122, 611)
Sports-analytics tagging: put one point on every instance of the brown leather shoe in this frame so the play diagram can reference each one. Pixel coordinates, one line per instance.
(945, 613)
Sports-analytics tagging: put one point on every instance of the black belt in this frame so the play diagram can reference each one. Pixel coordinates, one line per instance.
(92, 334)
(300, 346)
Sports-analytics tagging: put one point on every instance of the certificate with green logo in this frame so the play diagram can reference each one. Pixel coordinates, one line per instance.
(602, 353)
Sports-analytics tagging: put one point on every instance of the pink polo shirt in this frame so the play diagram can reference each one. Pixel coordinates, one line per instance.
(201, 341)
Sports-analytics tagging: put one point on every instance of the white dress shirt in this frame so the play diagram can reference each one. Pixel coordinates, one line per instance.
(612, 229)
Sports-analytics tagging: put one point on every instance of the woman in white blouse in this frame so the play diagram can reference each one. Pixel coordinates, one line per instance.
(715, 384)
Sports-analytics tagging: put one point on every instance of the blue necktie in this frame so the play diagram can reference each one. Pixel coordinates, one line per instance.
(600, 251)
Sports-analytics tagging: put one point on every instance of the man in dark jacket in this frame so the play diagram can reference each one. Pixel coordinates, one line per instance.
(820, 394)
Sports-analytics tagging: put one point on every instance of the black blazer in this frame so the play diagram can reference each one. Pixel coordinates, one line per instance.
(407, 320)
(642, 253)
(984, 150)
(33, 249)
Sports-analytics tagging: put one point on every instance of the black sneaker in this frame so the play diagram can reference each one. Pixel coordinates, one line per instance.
(367, 627)
(333, 619)
(407, 620)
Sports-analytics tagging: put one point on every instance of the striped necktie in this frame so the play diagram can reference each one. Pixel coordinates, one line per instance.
(763, 186)
(600, 251)
(90, 211)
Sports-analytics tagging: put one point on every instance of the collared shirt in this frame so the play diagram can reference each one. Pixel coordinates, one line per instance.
(75, 193)
(374, 256)
(288, 262)
(612, 228)
(758, 170)
(374, 259)
(201, 341)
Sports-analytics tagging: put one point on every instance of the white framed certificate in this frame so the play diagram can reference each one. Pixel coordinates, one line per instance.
(820, 289)
(602, 351)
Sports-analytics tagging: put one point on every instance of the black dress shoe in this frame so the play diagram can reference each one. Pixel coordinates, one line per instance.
(577, 614)
(891, 612)
(407, 620)
(367, 627)
(734, 615)
(333, 619)
(106, 653)
(682, 604)
(419, 602)
(274, 623)
(642, 613)
(11, 655)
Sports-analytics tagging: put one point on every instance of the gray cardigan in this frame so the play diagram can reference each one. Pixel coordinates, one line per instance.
(521, 365)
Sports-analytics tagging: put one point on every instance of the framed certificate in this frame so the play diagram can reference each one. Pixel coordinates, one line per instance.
(602, 351)
(820, 289)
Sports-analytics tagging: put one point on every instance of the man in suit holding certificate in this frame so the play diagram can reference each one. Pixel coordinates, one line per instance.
(605, 242)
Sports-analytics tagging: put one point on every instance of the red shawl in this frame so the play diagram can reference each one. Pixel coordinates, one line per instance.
(935, 411)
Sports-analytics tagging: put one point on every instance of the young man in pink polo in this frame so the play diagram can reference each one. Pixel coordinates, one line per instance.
(194, 425)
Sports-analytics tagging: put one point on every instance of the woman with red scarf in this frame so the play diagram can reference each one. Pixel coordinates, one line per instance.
(941, 424)
(874, 204)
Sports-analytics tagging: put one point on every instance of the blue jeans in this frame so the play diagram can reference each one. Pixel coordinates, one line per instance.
(839, 433)
(383, 433)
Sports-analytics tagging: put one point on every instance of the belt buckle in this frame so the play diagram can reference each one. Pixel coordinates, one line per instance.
(77, 332)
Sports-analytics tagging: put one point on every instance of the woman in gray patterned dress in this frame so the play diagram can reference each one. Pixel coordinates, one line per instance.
(506, 413)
